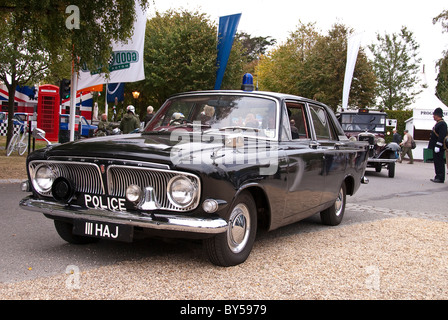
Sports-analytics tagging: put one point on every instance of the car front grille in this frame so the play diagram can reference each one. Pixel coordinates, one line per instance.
(113, 180)
(369, 138)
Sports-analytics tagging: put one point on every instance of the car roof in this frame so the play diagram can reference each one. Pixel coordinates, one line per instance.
(277, 95)
(357, 112)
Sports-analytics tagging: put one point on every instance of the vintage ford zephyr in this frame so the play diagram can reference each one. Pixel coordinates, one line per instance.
(211, 165)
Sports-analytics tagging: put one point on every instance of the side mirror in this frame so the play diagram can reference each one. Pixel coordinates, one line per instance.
(40, 134)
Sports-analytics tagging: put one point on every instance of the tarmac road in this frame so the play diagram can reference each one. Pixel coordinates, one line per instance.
(30, 247)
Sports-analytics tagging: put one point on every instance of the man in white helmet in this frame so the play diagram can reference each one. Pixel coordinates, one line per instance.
(129, 122)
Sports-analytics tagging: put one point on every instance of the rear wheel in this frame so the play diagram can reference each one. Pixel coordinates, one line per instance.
(391, 168)
(234, 246)
(65, 231)
(23, 144)
(333, 215)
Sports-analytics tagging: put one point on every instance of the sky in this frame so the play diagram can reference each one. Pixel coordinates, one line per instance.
(277, 18)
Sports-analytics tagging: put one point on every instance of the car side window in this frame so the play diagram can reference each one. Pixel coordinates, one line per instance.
(321, 122)
(297, 120)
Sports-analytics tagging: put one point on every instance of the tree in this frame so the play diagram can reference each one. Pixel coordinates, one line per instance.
(253, 48)
(442, 64)
(396, 65)
(313, 65)
(37, 32)
(180, 55)
(443, 19)
(442, 79)
(23, 60)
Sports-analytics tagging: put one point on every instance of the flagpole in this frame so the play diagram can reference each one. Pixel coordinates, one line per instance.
(74, 85)
(106, 107)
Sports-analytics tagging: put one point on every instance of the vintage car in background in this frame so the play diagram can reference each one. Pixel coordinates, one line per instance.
(211, 165)
(370, 126)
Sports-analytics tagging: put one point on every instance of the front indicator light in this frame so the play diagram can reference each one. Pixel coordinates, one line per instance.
(134, 193)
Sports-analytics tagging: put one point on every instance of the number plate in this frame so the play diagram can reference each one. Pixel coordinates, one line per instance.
(103, 230)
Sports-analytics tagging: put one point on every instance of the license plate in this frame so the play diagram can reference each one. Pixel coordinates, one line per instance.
(104, 202)
(103, 230)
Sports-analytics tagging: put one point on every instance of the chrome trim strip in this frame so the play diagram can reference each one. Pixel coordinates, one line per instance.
(162, 222)
(113, 161)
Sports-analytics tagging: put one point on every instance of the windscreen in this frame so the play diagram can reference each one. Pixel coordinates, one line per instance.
(250, 115)
(364, 122)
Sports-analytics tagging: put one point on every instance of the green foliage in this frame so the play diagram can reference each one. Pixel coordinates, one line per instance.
(396, 65)
(180, 55)
(442, 79)
(313, 65)
(401, 116)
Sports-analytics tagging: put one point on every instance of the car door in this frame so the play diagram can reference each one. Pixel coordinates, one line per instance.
(305, 164)
(334, 151)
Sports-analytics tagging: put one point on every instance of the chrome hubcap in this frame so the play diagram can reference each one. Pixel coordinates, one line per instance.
(339, 204)
(238, 231)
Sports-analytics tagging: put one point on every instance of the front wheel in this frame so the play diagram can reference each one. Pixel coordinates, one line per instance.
(234, 246)
(333, 215)
(12, 144)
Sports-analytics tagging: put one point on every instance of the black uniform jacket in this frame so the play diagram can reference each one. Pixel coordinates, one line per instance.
(438, 134)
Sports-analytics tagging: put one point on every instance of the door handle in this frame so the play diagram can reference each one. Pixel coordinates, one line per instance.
(314, 145)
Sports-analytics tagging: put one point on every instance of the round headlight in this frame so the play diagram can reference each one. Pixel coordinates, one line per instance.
(134, 193)
(381, 142)
(43, 179)
(181, 191)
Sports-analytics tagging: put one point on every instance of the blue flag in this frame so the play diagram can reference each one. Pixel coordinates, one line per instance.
(226, 34)
(115, 90)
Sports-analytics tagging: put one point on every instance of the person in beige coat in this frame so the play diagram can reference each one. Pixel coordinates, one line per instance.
(406, 147)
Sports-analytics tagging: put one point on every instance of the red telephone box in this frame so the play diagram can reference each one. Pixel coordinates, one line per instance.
(48, 111)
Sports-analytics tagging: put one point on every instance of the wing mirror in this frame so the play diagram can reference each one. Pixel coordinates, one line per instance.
(40, 134)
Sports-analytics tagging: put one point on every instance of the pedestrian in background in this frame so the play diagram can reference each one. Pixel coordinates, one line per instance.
(149, 115)
(396, 137)
(406, 147)
(130, 122)
(436, 141)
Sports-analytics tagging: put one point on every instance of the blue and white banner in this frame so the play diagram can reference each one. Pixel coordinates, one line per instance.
(127, 58)
(226, 34)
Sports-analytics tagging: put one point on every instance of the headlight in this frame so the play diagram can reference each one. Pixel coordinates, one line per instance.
(381, 142)
(182, 191)
(43, 179)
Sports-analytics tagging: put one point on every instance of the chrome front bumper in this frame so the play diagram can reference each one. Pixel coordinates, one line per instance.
(158, 222)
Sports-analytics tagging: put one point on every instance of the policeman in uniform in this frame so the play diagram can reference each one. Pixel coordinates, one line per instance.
(436, 141)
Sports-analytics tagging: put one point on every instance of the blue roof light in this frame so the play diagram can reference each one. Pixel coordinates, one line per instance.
(248, 82)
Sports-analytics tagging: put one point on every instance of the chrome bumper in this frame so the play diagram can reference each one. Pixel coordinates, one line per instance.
(381, 160)
(160, 222)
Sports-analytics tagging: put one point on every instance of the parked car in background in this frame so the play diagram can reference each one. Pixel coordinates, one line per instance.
(86, 129)
(370, 126)
(210, 165)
